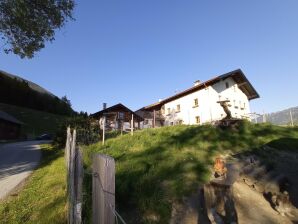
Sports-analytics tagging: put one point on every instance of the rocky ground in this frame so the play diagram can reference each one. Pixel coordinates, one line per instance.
(259, 188)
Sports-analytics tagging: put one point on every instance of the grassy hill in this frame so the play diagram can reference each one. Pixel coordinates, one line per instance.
(156, 168)
(35, 122)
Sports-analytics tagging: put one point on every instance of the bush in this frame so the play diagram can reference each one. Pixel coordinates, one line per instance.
(88, 130)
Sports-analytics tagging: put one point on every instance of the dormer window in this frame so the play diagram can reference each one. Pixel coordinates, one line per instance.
(227, 85)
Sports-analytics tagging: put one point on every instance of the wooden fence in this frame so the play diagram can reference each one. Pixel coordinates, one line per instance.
(103, 185)
(75, 172)
(103, 189)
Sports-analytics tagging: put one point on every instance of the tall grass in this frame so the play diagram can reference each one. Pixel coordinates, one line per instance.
(157, 167)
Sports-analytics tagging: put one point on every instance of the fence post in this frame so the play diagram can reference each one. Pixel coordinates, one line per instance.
(67, 148)
(71, 181)
(103, 189)
(79, 175)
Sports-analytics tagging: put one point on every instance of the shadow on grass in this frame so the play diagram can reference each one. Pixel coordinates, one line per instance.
(155, 168)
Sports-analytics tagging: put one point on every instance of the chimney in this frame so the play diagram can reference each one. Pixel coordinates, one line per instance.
(196, 83)
(104, 106)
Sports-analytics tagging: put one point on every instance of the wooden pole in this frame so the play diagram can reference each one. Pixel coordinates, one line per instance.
(131, 125)
(264, 117)
(67, 148)
(154, 118)
(121, 127)
(103, 189)
(79, 176)
(103, 130)
(291, 118)
(71, 180)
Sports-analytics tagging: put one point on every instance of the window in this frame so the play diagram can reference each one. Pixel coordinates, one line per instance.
(235, 106)
(180, 122)
(121, 116)
(196, 102)
(242, 106)
(227, 85)
(198, 120)
(178, 108)
(169, 110)
(163, 109)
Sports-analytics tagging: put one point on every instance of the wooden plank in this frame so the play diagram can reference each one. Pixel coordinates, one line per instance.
(103, 189)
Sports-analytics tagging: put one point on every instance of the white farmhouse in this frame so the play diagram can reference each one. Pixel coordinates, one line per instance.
(199, 104)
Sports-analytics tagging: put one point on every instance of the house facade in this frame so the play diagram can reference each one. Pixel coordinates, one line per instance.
(201, 103)
(117, 117)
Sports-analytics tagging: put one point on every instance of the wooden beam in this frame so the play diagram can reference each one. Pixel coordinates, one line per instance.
(242, 84)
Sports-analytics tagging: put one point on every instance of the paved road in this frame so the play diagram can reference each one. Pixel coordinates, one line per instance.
(17, 161)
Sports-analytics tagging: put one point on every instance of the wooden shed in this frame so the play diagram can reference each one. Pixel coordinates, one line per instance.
(10, 127)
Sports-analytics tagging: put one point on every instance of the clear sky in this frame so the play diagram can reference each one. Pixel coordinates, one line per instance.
(139, 51)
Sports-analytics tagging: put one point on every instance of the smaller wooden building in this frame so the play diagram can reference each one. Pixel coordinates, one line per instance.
(10, 127)
(117, 117)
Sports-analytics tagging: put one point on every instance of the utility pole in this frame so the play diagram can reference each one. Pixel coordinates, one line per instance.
(291, 118)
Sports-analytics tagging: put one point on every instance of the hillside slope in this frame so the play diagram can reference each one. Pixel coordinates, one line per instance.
(35, 122)
(157, 168)
(281, 117)
(20, 92)
(32, 85)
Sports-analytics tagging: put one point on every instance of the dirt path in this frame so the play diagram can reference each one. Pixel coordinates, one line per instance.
(17, 161)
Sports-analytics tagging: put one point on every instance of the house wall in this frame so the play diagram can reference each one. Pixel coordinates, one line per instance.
(208, 109)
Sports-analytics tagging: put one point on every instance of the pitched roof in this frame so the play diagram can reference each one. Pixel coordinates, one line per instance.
(7, 117)
(116, 108)
(237, 75)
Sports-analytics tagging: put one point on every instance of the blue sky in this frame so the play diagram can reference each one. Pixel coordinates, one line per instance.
(138, 51)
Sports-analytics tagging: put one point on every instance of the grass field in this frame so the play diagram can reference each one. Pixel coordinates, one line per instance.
(158, 167)
(43, 199)
(35, 122)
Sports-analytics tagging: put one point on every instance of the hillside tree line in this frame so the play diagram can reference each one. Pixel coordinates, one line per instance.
(19, 93)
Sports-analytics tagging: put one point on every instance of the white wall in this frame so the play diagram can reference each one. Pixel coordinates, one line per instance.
(208, 110)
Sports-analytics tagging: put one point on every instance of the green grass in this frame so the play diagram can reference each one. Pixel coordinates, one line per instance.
(43, 198)
(157, 167)
(36, 122)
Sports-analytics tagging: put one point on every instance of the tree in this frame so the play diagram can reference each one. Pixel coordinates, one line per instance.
(25, 25)
(66, 101)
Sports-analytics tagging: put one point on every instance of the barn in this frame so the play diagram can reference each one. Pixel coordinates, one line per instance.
(10, 127)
